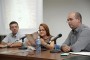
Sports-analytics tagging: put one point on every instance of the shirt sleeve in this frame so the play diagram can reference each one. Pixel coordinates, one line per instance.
(67, 41)
(5, 39)
(82, 42)
(20, 40)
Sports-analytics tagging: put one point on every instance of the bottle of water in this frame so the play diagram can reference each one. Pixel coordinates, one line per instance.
(38, 45)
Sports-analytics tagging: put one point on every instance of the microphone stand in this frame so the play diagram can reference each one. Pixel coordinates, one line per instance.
(56, 49)
(23, 47)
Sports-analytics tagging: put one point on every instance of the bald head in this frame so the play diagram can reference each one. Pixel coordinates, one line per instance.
(74, 20)
(77, 15)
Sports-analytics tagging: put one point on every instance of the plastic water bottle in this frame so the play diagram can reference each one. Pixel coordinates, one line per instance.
(38, 45)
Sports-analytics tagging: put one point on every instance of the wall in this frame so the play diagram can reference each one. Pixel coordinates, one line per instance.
(28, 14)
(55, 15)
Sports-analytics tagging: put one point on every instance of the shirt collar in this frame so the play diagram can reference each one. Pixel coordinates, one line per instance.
(78, 29)
(14, 35)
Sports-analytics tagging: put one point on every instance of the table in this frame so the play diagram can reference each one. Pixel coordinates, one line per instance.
(16, 54)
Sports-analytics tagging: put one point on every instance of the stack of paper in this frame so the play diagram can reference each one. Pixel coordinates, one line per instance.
(81, 53)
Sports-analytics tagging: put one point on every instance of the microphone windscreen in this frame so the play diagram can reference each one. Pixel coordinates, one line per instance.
(59, 35)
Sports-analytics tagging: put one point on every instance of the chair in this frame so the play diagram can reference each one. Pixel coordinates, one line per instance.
(2, 37)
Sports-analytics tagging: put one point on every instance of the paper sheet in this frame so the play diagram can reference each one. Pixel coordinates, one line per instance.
(81, 53)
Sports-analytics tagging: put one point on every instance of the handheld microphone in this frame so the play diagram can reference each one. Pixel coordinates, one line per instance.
(58, 36)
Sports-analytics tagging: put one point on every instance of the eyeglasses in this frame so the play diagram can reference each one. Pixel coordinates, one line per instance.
(70, 19)
(41, 30)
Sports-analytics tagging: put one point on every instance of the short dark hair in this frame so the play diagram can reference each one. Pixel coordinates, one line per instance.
(78, 16)
(13, 22)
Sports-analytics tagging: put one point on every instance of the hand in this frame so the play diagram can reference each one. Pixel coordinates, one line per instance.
(1, 45)
(42, 41)
(28, 43)
(66, 48)
(10, 44)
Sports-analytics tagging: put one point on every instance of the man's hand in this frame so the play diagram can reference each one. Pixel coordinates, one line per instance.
(66, 48)
(16, 44)
(9, 44)
(1, 45)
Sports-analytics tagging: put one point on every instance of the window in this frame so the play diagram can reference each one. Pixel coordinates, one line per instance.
(28, 14)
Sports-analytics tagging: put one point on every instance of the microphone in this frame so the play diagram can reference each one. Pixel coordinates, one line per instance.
(23, 47)
(18, 40)
(58, 36)
(56, 48)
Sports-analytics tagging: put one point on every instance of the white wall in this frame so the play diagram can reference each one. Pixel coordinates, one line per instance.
(28, 14)
(55, 15)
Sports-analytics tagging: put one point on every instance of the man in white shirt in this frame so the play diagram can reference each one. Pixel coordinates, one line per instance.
(13, 39)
